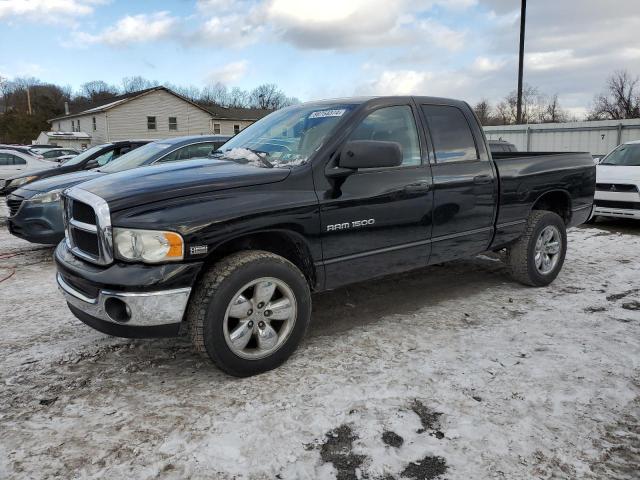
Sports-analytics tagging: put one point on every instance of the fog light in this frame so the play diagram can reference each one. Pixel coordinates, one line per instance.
(117, 310)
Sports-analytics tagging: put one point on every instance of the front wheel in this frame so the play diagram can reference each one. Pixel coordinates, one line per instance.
(537, 257)
(249, 312)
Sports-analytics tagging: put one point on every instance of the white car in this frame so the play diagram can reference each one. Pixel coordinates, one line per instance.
(13, 162)
(618, 183)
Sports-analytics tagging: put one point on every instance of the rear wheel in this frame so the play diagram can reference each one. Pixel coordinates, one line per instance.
(537, 257)
(250, 312)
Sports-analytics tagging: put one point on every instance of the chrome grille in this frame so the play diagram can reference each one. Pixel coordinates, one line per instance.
(14, 202)
(87, 223)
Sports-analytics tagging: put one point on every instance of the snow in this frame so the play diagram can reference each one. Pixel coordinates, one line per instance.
(529, 383)
(253, 158)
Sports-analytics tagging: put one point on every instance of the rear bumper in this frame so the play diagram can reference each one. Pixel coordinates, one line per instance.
(37, 223)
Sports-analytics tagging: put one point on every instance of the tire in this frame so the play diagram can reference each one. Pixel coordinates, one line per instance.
(211, 319)
(521, 256)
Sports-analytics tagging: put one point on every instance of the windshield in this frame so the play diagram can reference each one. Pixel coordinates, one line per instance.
(84, 155)
(135, 158)
(624, 156)
(285, 138)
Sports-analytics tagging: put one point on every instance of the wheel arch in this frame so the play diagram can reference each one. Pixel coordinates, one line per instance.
(280, 241)
(557, 201)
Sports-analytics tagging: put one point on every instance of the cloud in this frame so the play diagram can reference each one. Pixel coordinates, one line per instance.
(357, 24)
(229, 73)
(487, 65)
(133, 29)
(49, 11)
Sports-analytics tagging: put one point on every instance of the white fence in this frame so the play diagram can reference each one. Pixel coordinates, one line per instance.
(598, 137)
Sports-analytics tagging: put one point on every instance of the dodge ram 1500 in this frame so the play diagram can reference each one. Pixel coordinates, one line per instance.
(315, 196)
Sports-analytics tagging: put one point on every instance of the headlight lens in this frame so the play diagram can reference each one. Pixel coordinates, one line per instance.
(16, 182)
(47, 197)
(149, 246)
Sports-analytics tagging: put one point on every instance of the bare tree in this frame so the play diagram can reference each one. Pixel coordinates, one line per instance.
(136, 83)
(216, 94)
(503, 113)
(620, 101)
(552, 112)
(483, 111)
(238, 98)
(97, 90)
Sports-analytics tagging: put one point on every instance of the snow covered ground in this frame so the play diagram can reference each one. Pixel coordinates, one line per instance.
(451, 372)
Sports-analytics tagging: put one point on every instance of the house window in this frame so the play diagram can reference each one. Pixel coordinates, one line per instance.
(94, 123)
(151, 123)
(236, 129)
(216, 128)
(173, 123)
(73, 125)
(78, 125)
(58, 126)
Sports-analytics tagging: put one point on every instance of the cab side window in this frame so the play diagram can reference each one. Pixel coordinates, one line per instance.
(5, 159)
(18, 161)
(451, 134)
(392, 124)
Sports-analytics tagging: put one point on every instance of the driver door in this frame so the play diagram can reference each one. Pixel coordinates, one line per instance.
(380, 219)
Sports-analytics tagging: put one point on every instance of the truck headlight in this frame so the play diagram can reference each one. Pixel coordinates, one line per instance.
(16, 182)
(47, 197)
(149, 246)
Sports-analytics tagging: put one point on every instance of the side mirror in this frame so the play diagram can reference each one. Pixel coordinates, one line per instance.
(370, 154)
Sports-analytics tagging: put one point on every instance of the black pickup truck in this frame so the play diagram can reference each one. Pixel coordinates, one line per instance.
(227, 250)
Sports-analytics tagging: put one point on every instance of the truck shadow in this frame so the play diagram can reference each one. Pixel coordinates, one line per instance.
(364, 303)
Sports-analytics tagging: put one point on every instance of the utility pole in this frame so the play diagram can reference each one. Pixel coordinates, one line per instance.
(523, 16)
(28, 101)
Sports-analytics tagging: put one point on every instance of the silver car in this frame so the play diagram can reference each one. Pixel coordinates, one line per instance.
(13, 162)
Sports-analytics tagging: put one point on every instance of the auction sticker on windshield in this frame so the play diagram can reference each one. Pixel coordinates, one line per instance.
(327, 113)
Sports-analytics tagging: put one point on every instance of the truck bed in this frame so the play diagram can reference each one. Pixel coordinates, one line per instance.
(524, 176)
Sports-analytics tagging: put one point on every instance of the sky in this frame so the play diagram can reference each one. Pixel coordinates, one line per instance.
(331, 48)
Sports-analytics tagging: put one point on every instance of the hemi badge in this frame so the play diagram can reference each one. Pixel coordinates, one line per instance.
(198, 249)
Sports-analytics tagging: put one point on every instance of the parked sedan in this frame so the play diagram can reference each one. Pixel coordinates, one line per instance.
(14, 162)
(35, 212)
(55, 153)
(94, 157)
(618, 183)
(23, 149)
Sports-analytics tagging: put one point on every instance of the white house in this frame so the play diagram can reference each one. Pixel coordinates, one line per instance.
(153, 113)
(78, 140)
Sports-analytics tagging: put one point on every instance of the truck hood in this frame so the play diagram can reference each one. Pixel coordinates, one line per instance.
(177, 179)
(57, 182)
(617, 174)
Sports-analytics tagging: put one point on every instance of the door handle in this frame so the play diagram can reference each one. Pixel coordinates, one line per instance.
(418, 187)
(482, 179)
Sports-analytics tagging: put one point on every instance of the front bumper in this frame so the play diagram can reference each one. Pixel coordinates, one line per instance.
(126, 300)
(127, 314)
(617, 212)
(37, 222)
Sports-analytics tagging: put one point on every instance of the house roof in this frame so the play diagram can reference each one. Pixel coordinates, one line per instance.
(217, 112)
(68, 135)
(230, 113)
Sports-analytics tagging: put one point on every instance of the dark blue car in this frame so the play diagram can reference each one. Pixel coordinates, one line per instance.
(35, 211)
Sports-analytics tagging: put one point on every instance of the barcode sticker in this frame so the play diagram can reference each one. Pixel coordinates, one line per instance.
(327, 113)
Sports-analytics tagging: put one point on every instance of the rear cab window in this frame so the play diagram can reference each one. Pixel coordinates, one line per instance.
(450, 133)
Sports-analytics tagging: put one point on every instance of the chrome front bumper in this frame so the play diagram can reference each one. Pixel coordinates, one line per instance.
(146, 309)
(616, 212)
